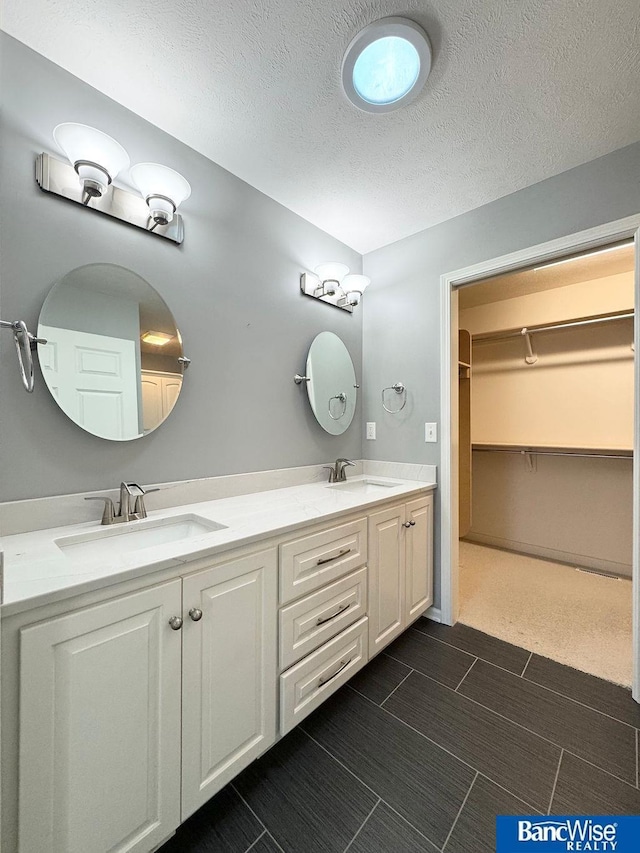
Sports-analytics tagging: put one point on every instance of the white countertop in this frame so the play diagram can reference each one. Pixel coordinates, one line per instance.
(37, 572)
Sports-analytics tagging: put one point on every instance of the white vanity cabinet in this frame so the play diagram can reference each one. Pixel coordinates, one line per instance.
(229, 673)
(99, 761)
(127, 707)
(130, 720)
(400, 568)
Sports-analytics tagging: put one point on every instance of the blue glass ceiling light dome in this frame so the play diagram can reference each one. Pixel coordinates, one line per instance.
(386, 65)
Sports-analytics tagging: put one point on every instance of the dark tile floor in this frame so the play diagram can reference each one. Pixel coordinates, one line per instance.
(418, 753)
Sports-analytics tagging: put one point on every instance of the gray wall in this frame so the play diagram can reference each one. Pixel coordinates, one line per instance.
(401, 335)
(233, 288)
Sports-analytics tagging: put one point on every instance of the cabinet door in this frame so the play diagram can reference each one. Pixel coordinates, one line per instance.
(229, 673)
(419, 556)
(99, 726)
(171, 387)
(386, 576)
(152, 402)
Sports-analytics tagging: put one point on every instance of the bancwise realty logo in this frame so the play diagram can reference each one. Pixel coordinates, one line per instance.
(601, 833)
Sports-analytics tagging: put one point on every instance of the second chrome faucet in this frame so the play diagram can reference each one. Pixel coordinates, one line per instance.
(337, 473)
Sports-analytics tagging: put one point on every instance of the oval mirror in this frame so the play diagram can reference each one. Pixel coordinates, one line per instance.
(331, 384)
(111, 360)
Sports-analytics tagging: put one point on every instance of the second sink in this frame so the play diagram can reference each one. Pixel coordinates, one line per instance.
(366, 486)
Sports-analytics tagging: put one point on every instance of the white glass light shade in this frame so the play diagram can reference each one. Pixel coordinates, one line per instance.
(331, 271)
(355, 283)
(96, 157)
(163, 189)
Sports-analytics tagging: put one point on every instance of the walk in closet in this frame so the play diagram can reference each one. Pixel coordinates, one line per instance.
(546, 459)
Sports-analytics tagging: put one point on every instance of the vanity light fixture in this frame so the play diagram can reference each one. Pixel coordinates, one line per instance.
(93, 162)
(156, 339)
(162, 188)
(332, 283)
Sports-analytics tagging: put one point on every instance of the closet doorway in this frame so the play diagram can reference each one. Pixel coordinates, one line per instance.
(538, 471)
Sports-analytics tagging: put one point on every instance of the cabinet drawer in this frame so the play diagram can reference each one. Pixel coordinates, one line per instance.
(307, 684)
(310, 622)
(312, 561)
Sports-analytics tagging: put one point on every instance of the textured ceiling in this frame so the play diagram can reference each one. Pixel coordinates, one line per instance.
(523, 282)
(520, 90)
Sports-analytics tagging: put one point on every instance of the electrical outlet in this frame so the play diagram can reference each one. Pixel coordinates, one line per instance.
(371, 430)
(431, 432)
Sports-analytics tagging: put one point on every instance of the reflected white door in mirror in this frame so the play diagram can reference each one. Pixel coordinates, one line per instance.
(113, 358)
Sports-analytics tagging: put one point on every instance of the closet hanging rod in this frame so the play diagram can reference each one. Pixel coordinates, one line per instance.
(585, 321)
(525, 452)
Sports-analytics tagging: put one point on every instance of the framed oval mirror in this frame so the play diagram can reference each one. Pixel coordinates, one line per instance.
(331, 384)
(111, 361)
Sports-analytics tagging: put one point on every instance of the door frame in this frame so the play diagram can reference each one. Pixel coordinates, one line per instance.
(592, 238)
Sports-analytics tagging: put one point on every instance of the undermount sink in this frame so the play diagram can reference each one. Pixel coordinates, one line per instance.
(364, 487)
(134, 536)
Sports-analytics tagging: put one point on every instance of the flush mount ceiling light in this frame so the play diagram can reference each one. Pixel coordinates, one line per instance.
(386, 65)
(332, 283)
(162, 188)
(156, 339)
(94, 160)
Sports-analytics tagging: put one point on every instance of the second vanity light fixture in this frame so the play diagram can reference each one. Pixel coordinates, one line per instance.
(332, 283)
(94, 161)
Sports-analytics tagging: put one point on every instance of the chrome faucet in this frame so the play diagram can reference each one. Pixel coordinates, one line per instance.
(131, 505)
(336, 471)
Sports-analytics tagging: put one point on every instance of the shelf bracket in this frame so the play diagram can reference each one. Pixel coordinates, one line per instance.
(530, 357)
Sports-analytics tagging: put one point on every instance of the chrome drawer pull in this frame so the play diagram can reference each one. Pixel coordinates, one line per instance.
(335, 557)
(175, 622)
(340, 610)
(343, 665)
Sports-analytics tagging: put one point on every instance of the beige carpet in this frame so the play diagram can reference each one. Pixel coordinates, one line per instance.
(576, 618)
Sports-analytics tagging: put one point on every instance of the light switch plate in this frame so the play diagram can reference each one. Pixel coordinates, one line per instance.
(371, 430)
(431, 432)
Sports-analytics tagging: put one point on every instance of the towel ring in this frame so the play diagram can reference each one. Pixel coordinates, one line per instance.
(25, 342)
(343, 399)
(399, 388)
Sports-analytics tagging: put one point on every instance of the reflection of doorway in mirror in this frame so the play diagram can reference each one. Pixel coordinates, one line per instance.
(159, 394)
(94, 379)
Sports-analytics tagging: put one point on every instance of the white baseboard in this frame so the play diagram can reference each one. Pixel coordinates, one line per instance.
(434, 614)
(578, 560)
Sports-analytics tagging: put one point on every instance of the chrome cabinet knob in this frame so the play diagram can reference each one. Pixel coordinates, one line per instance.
(196, 614)
(175, 622)
(407, 524)
(412, 524)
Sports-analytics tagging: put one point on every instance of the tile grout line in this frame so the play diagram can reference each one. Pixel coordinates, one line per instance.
(466, 651)
(361, 827)
(260, 821)
(368, 787)
(526, 665)
(511, 672)
(251, 846)
(518, 725)
(396, 687)
(466, 674)
(430, 740)
(555, 782)
(542, 687)
(457, 817)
